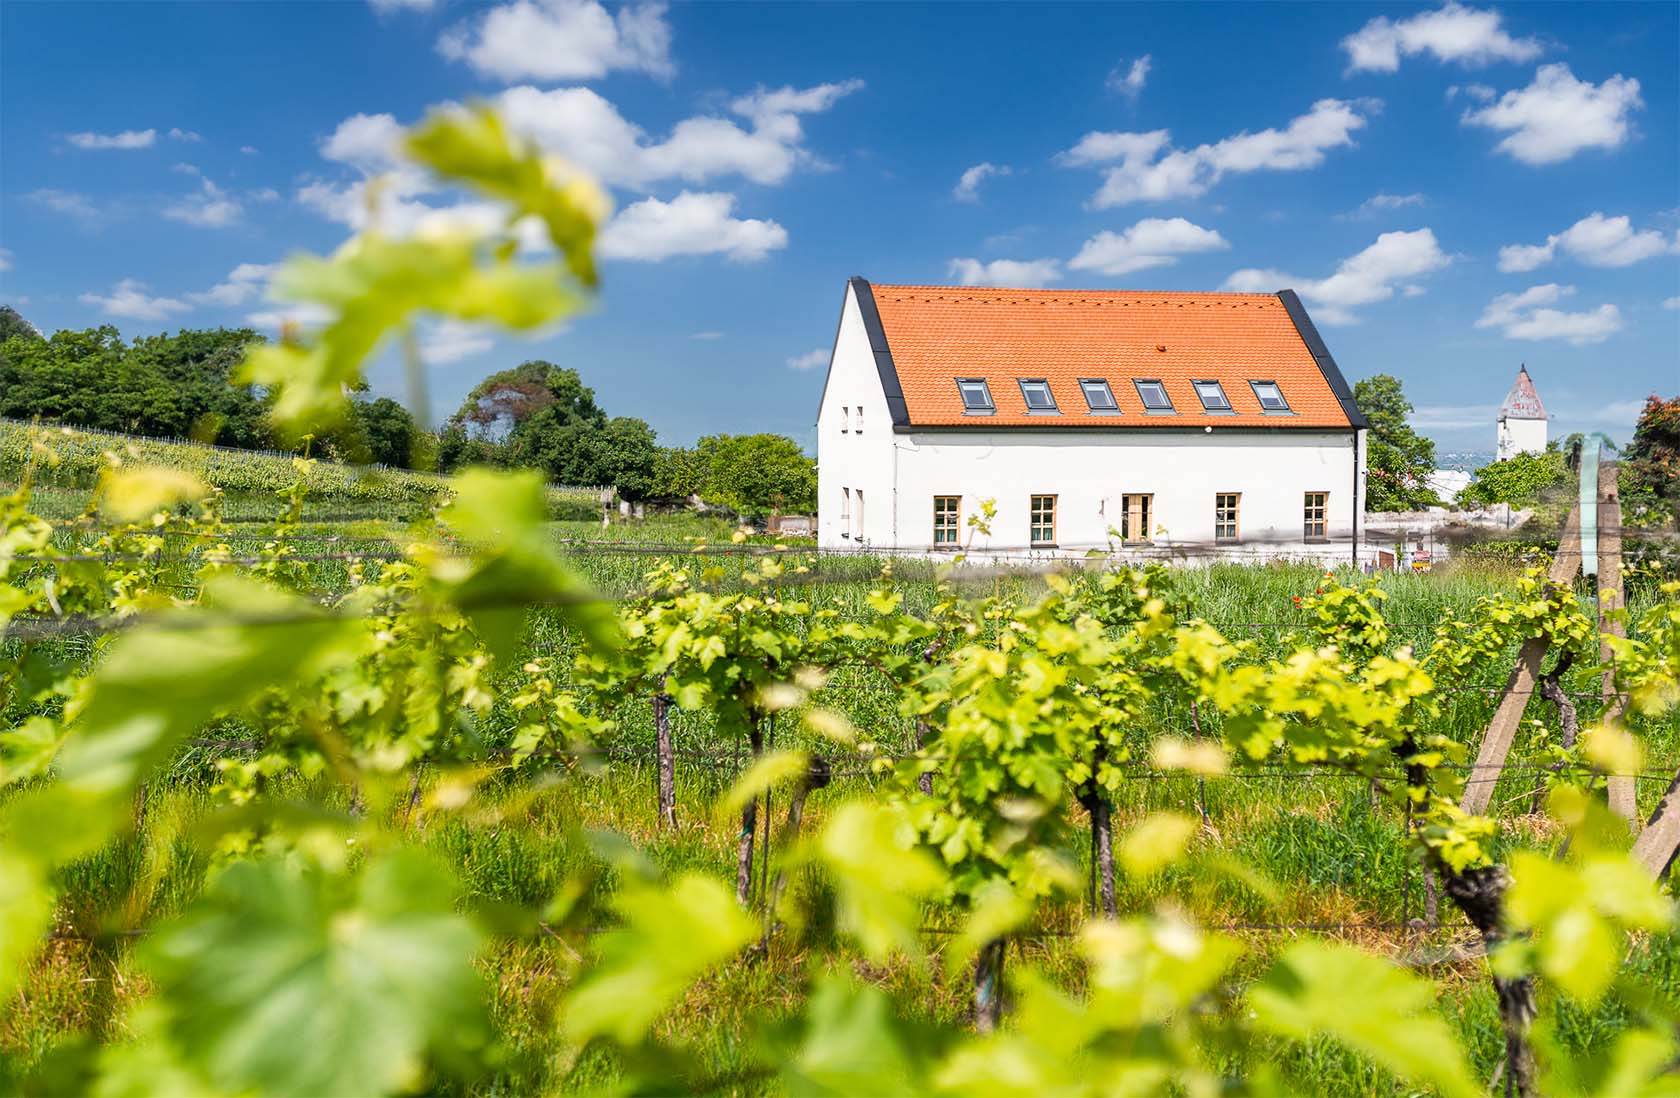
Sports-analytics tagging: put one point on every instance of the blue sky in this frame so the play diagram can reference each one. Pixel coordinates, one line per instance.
(1453, 190)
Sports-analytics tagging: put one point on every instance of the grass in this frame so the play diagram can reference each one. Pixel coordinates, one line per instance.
(1316, 850)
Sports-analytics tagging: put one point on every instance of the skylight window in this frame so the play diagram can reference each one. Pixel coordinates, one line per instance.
(1212, 396)
(1269, 396)
(1154, 396)
(1036, 392)
(1098, 396)
(976, 397)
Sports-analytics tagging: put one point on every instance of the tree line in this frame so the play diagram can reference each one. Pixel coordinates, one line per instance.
(535, 415)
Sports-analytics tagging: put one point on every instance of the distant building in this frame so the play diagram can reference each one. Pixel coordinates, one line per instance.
(1180, 425)
(1522, 419)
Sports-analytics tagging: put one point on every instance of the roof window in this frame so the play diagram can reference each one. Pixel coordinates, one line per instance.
(1098, 396)
(1212, 395)
(1154, 396)
(976, 397)
(1036, 392)
(1269, 396)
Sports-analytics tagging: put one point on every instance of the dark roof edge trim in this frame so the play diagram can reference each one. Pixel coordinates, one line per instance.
(1321, 354)
(983, 423)
(884, 366)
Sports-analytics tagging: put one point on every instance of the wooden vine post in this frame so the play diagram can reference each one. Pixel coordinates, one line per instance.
(1623, 787)
(1520, 685)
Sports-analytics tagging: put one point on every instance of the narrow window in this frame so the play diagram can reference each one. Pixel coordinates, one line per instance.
(1098, 396)
(1213, 396)
(947, 517)
(1036, 392)
(1154, 396)
(1312, 518)
(1225, 507)
(1136, 517)
(845, 512)
(1269, 396)
(845, 418)
(1044, 520)
(857, 531)
(976, 397)
(858, 422)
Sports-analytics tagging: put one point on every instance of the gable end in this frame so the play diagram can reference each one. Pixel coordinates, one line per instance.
(884, 366)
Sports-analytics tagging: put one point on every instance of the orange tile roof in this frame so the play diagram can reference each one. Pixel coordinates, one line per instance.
(937, 334)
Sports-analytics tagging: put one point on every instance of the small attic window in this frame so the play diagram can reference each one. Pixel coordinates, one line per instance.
(1269, 396)
(1154, 396)
(1036, 392)
(976, 397)
(1098, 396)
(1212, 395)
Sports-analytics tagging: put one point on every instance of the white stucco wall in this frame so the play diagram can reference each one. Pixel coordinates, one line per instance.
(1089, 472)
(1521, 436)
(848, 458)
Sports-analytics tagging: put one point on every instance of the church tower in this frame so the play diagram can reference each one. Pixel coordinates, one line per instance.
(1522, 419)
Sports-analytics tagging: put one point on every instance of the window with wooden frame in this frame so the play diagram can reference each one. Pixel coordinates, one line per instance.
(1226, 506)
(1043, 520)
(1136, 517)
(947, 521)
(1313, 525)
(845, 512)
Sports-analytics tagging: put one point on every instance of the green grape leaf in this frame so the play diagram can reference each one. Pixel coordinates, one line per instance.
(880, 878)
(670, 938)
(853, 1044)
(1365, 1003)
(287, 980)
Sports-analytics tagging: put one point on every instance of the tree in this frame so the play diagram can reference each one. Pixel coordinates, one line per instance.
(757, 474)
(678, 473)
(1398, 460)
(12, 324)
(1523, 480)
(507, 400)
(1651, 463)
(620, 453)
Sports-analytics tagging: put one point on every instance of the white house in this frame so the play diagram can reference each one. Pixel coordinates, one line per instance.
(1174, 425)
(1522, 419)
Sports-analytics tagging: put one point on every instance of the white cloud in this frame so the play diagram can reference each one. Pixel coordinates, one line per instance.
(1479, 92)
(242, 284)
(1151, 170)
(128, 298)
(1453, 33)
(1395, 259)
(1152, 242)
(690, 224)
(1382, 202)
(1028, 273)
(69, 203)
(370, 142)
(1595, 240)
(178, 134)
(1528, 315)
(248, 150)
(1558, 116)
(1130, 82)
(810, 360)
(127, 139)
(706, 336)
(588, 130)
(562, 40)
(1671, 303)
(968, 187)
(5, 259)
(385, 7)
(210, 208)
(1449, 416)
(449, 341)
(308, 314)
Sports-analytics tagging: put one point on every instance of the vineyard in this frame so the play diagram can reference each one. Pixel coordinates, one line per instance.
(480, 802)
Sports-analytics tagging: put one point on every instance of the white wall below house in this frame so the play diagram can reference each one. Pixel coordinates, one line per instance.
(1521, 436)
